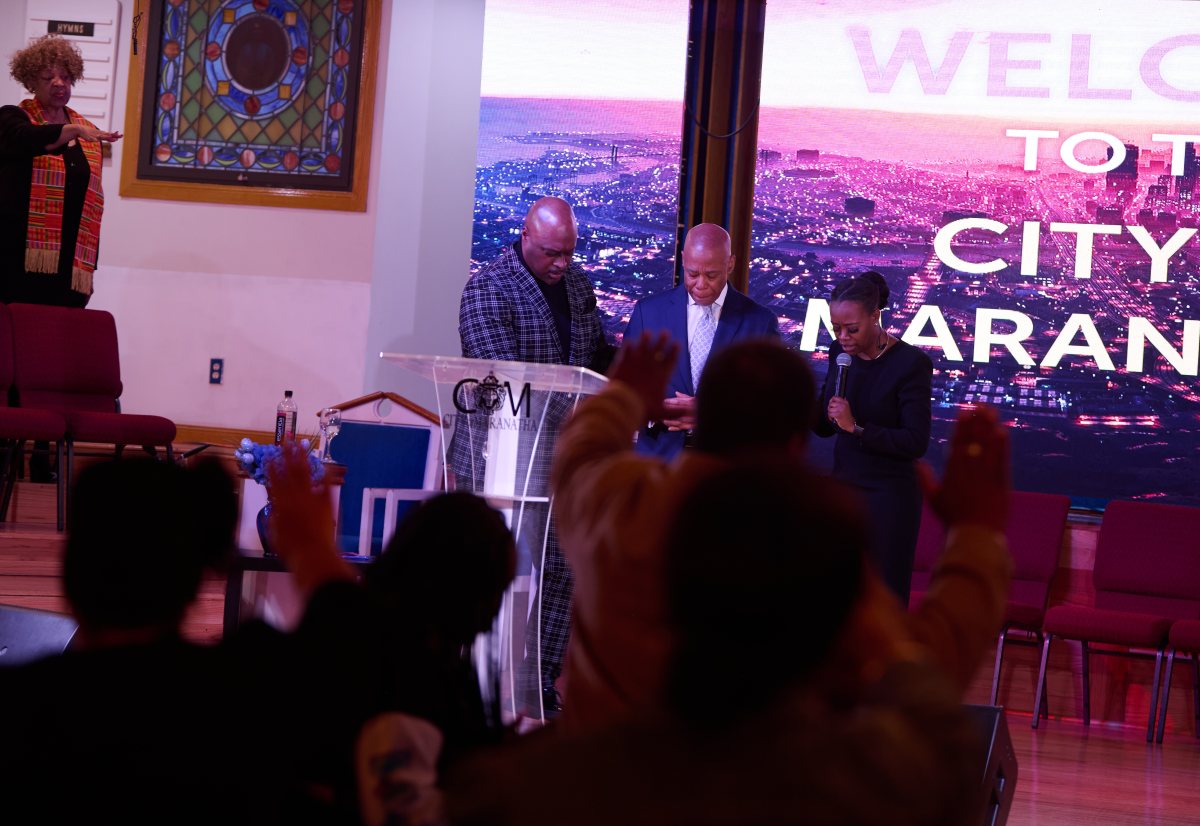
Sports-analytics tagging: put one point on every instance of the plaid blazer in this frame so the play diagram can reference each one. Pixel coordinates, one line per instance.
(504, 316)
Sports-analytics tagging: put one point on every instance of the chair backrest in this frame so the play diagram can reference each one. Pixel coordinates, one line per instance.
(1036, 522)
(1148, 559)
(377, 455)
(930, 541)
(1035, 532)
(6, 354)
(65, 358)
(26, 634)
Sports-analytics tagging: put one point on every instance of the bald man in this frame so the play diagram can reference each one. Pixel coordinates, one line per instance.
(534, 303)
(703, 315)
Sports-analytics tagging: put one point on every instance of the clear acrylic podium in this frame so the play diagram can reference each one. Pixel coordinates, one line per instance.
(500, 420)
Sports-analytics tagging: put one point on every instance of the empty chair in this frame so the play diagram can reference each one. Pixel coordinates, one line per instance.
(27, 635)
(931, 539)
(1034, 532)
(1146, 576)
(66, 360)
(378, 456)
(1184, 638)
(18, 425)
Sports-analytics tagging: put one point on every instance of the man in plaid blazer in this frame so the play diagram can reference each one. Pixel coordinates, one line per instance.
(533, 303)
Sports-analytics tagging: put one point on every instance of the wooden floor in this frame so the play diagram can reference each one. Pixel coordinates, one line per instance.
(1105, 776)
(31, 559)
(1067, 774)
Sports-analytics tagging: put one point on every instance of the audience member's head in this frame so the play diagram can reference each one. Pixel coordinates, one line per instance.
(765, 562)
(445, 570)
(755, 396)
(141, 534)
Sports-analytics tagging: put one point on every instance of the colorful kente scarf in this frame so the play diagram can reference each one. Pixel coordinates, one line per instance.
(47, 195)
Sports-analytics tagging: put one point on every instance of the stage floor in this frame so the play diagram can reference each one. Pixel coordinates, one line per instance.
(1105, 776)
(31, 557)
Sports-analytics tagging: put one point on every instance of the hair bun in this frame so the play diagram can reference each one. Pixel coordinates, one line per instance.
(869, 290)
(880, 284)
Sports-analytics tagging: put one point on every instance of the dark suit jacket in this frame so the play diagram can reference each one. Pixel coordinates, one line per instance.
(741, 318)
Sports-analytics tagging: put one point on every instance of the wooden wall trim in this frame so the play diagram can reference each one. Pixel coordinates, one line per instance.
(220, 436)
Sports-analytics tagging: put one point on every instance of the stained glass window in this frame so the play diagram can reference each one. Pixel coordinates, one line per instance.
(261, 92)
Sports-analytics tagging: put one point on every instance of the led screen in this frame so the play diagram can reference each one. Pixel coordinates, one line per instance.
(1021, 173)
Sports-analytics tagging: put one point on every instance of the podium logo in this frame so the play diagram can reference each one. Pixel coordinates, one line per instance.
(488, 395)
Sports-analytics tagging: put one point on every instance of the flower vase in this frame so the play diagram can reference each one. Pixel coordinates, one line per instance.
(262, 522)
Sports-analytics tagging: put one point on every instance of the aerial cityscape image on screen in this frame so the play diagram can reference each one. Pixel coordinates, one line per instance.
(1049, 268)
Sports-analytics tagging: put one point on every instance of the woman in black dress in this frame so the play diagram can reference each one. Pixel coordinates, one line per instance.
(881, 421)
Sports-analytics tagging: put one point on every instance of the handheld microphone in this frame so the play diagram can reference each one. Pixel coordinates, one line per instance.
(843, 366)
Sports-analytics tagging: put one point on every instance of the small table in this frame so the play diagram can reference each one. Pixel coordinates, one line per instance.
(254, 496)
(246, 561)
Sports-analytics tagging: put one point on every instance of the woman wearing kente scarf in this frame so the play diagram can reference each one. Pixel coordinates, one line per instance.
(50, 196)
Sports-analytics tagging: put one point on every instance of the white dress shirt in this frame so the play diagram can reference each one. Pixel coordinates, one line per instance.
(694, 311)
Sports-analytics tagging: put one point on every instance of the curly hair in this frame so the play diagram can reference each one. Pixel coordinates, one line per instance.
(49, 51)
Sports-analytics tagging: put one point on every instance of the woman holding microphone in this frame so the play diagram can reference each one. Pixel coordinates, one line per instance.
(877, 404)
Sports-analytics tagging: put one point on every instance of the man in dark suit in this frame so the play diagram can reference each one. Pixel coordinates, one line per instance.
(703, 314)
(533, 303)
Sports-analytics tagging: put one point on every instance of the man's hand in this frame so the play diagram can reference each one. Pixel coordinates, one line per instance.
(975, 487)
(645, 365)
(679, 413)
(301, 528)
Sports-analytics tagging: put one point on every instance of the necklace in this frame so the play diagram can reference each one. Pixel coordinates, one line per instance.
(883, 345)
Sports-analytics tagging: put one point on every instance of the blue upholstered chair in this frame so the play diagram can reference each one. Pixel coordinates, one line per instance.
(387, 444)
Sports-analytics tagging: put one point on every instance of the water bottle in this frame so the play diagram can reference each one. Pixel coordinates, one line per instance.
(285, 419)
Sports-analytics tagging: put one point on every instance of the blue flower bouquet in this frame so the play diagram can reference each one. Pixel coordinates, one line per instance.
(256, 460)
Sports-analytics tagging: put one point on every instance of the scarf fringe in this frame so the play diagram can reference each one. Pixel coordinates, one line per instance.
(81, 280)
(39, 260)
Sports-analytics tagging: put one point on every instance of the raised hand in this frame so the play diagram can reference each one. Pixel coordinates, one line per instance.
(302, 522)
(645, 365)
(975, 486)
